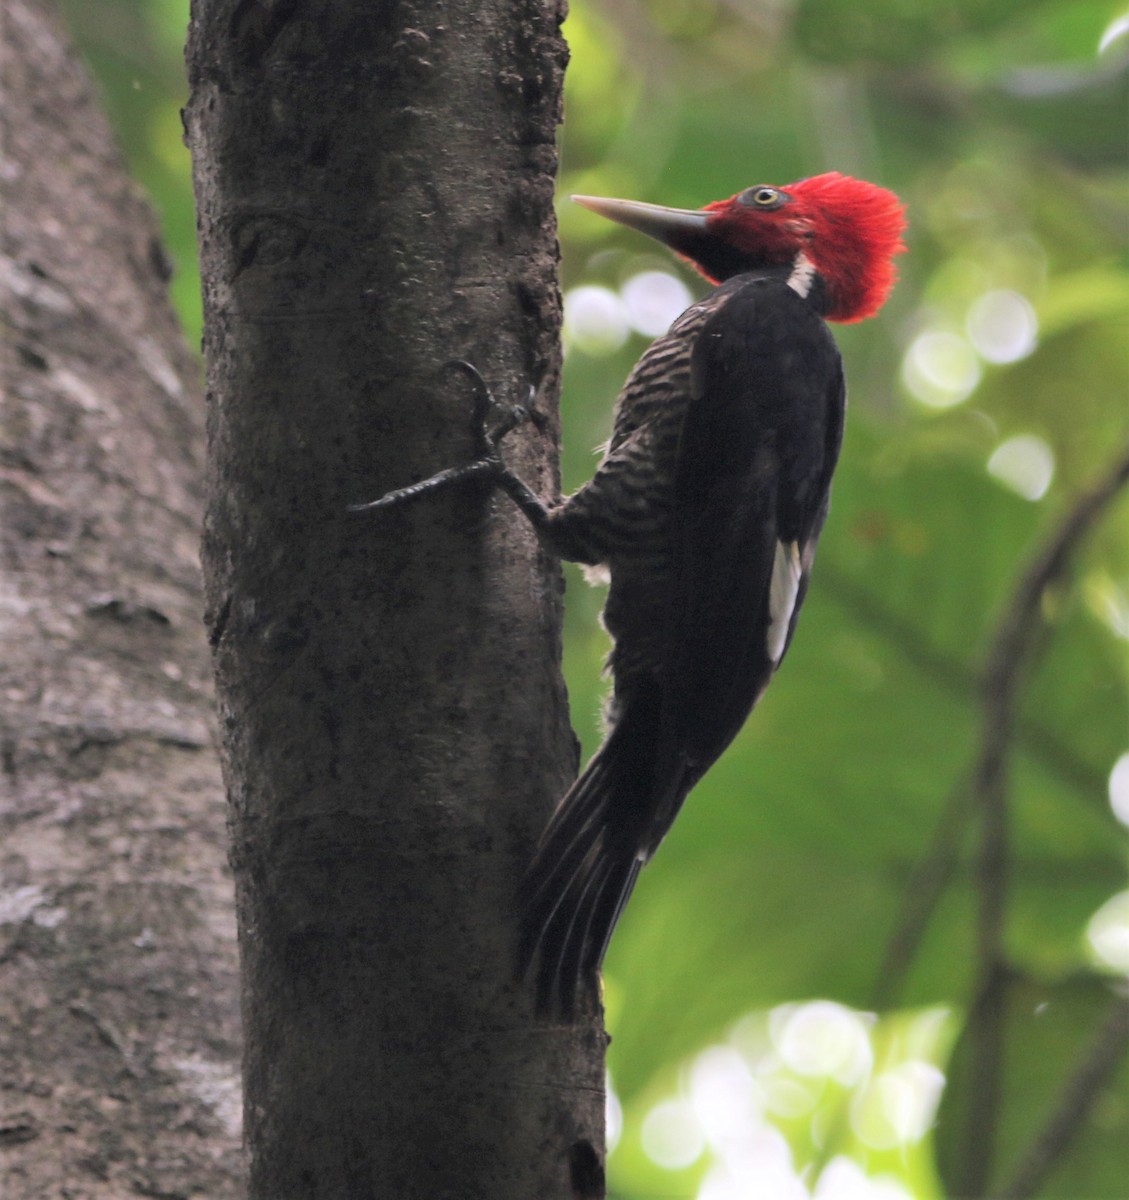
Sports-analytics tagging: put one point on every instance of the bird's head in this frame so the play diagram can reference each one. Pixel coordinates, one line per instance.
(845, 230)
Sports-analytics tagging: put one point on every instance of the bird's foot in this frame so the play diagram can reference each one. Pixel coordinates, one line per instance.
(511, 415)
(488, 464)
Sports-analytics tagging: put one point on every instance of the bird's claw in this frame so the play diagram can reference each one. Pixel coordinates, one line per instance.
(511, 415)
(488, 462)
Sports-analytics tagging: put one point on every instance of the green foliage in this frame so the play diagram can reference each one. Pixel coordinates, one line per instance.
(797, 859)
(136, 50)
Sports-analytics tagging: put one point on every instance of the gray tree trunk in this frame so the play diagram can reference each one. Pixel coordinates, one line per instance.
(375, 186)
(118, 983)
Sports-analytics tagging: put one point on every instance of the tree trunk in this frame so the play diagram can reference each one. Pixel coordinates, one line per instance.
(375, 187)
(118, 1012)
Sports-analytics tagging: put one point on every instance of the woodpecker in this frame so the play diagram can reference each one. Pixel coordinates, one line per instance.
(704, 513)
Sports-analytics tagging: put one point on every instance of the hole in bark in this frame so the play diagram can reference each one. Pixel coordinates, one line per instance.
(586, 1172)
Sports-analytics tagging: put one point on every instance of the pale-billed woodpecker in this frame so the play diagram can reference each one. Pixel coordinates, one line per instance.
(705, 511)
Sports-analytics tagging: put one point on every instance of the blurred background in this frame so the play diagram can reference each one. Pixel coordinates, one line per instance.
(790, 989)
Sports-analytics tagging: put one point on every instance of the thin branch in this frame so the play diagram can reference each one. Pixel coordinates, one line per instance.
(934, 870)
(1038, 739)
(1095, 1069)
(1016, 630)
(1007, 661)
(927, 884)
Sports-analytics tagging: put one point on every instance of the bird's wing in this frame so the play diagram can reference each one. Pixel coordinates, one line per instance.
(756, 453)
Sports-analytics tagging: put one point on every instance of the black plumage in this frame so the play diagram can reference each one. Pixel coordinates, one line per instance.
(725, 438)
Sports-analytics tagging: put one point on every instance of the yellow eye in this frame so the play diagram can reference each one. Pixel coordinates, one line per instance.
(761, 197)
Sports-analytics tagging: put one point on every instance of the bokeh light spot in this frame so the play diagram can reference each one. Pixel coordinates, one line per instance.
(1119, 789)
(1117, 28)
(823, 1039)
(761, 1166)
(899, 1106)
(1108, 933)
(1025, 464)
(727, 1100)
(1002, 326)
(595, 320)
(844, 1179)
(613, 1115)
(788, 1098)
(940, 369)
(672, 1137)
(653, 299)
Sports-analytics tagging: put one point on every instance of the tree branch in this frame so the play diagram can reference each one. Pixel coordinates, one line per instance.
(934, 870)
(1039, 740)
(1094, 1070)
(1005, 668)
(923, 892)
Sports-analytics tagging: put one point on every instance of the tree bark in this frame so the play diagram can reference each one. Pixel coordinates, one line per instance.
(118, 984)
(374, 185)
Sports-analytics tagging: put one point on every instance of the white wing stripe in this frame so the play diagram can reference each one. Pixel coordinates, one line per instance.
(782, 591)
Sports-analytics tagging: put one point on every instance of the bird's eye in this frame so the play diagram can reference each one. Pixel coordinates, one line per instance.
(761, 197)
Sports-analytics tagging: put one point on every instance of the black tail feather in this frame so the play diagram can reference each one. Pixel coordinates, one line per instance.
(588, 861)
(567, 933)
(567, 839)
(601, 898)
(610, 918)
